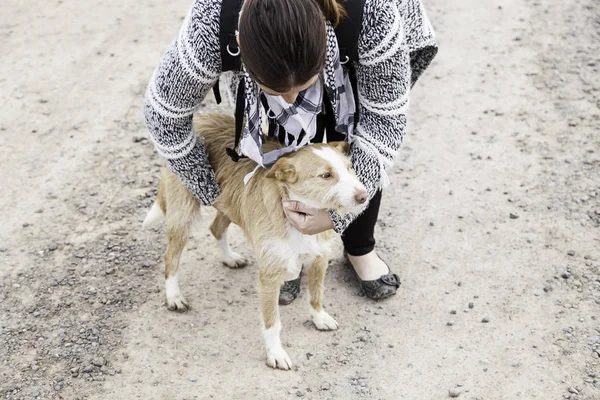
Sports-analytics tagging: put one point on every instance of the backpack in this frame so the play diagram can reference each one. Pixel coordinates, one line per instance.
(346, 32)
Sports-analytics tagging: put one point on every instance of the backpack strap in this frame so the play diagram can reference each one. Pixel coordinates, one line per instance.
(348, 30)
(230, 51)
(239, 119)
(228, 24)
(347, 33)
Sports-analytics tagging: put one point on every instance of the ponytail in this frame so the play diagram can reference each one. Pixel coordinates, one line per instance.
(333, 10)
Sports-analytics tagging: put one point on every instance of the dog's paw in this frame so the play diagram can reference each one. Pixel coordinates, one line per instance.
(234, 260)
(177, 303)
(324, 321)
(278, 358)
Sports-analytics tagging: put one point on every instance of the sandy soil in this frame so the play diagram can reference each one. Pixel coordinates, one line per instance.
(494, 214)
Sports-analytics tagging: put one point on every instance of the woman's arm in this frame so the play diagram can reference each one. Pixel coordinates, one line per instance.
(189, 68)
(384, 79)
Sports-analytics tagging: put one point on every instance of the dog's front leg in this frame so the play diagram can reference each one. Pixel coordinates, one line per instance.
(270, 278)
(316, 285)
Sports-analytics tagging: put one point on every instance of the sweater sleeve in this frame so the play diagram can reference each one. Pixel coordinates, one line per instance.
(384, 80)
(188, 70)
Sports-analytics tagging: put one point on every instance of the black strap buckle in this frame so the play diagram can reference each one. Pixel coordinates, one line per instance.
(391, 279)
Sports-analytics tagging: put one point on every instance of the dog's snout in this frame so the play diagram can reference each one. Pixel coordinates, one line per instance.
(361, 196)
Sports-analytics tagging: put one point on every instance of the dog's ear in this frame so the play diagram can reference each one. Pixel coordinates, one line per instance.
(344, 147)
(283, 171)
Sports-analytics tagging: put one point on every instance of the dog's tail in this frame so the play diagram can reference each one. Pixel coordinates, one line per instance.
(154, 216)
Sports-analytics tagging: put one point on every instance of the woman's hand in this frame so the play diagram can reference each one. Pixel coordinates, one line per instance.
(307, 220)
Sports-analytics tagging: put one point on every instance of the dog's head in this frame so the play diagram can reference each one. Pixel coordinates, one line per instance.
(320, 176)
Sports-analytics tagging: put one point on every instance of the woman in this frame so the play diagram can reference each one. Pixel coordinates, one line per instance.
(291, 68)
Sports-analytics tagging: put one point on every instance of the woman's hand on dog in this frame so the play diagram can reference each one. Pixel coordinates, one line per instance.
(307, 220)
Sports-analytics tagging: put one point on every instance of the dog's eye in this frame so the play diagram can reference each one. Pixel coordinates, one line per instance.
(326, 175)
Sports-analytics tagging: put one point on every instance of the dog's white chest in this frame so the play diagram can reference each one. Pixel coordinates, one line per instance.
(310, 245)
(297, 247)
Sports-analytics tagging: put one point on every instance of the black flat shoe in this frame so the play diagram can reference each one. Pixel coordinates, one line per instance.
(289, 291)
(378, 289)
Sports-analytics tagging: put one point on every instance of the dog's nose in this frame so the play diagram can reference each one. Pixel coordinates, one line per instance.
(361, 196)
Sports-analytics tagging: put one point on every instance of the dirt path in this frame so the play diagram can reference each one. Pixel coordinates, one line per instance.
(494, 214)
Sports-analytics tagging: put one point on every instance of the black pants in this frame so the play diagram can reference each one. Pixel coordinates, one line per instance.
(358, 237)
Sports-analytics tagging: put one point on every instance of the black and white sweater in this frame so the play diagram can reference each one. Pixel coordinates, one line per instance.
(396, 44)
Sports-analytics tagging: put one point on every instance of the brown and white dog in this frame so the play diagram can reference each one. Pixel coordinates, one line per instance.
(318, 175)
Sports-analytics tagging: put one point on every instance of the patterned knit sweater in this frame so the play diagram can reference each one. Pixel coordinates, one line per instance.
(396, 44)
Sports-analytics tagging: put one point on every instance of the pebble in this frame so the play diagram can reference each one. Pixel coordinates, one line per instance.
(485, 320)
(547, 289)
(88, 368)
(452, 312)
(573, 390)
(52, 246)
(300, 393)
(450, 323)
(454, 392)
(471, 305)
(193, 379)
(98, 361)
(513, 216)
(326, 386)
(25, 224)
(571, 253)
(565, 275)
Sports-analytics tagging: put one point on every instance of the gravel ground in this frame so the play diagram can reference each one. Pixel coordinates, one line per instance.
(492, 222)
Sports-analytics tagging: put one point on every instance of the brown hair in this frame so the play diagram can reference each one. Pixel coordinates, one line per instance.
(283, 42)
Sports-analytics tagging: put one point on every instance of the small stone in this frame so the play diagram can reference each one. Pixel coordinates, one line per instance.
(573, 390)
(326, 386)
(453, 312)
(450, 323)
(52, 246)
(454, 392)
(300, 393)
(193, 379)
(16, 285)
(25, 224)
(571, 253)
(98, 361)
(565, 275)
(88, 368)
(57, 387)
(485, 320)
(513, 216)
(547, 289)
(471, 305)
